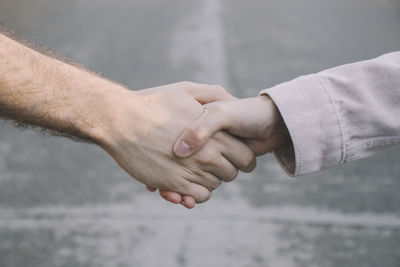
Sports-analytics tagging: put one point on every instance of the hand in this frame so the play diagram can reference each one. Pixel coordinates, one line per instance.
(144, 126)
(255, 119)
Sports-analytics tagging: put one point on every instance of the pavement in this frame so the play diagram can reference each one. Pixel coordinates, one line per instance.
(68, 204)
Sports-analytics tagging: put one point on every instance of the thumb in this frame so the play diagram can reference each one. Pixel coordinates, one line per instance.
(198, 133)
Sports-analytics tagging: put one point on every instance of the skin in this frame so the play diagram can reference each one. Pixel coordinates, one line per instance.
(136, 128)
(255, 119)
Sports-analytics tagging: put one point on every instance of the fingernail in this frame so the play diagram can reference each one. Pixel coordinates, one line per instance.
(183, 148)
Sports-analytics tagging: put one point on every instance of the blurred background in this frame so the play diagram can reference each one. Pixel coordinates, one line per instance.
(68, 204)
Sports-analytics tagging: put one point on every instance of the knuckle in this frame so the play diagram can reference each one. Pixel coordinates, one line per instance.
(215, 184)
(219, 107)
(219, 136)
(249, 160)
(207, 157)
(234, 173)
(203, 198)
(220, 89)
(197, 134)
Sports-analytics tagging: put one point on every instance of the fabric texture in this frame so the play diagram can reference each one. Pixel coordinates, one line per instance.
(340, 114)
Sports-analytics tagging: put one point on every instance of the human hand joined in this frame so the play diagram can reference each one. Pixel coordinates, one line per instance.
(257, 120)
(144, 126)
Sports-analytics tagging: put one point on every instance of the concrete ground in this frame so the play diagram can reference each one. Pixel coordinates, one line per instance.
(68, 204)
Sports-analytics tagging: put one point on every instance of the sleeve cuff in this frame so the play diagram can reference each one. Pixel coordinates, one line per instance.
(312, 119)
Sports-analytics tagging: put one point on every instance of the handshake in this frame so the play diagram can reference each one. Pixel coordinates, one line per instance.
(184, 139)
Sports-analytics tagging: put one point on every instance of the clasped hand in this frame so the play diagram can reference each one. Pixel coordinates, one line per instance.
(186, 138)
(216, 134)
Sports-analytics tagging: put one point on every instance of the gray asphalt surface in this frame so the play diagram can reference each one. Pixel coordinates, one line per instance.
(68, 204)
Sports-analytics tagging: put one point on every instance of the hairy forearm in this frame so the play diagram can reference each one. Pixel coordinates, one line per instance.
(41, 91)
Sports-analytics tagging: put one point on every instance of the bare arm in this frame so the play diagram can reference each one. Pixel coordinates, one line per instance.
(38, 90)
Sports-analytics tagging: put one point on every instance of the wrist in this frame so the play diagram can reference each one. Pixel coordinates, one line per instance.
(121, 113)
(103, 110)
(277, 124)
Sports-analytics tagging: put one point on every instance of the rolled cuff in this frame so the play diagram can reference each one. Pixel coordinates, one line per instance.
(312, 119)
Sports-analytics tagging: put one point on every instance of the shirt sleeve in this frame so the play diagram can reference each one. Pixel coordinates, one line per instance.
(340, 114)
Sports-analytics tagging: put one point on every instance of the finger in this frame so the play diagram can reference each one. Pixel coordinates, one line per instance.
(223, 169)
(205, 93)
(151, 189)
(198, 192)
(214, 162)
(171, 196)
(176, 198)
(236, 151)
(188, 202)
(206, 179)
(198, 133)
